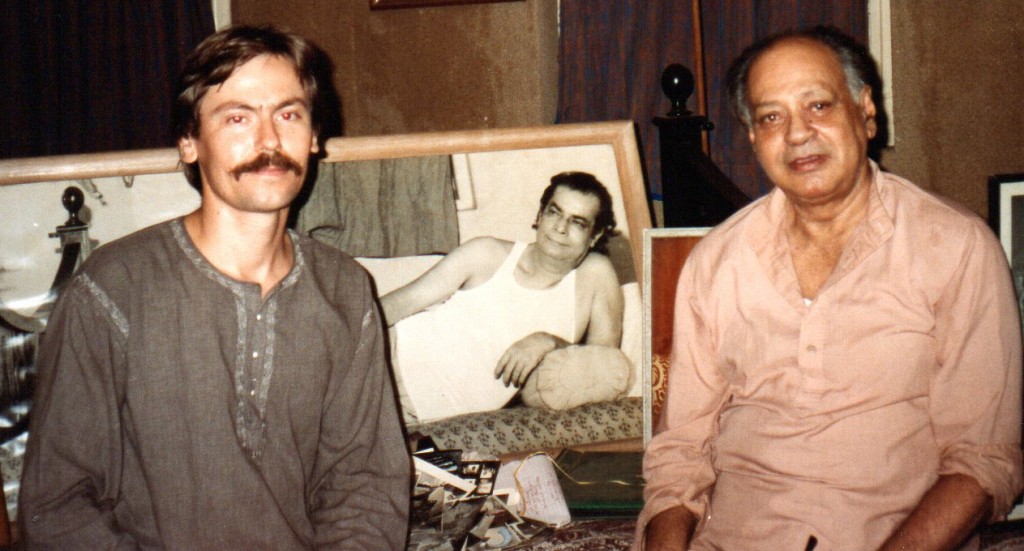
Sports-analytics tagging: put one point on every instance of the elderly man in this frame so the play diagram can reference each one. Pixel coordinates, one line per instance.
(217, 381)
(471, 329)
(847, 365)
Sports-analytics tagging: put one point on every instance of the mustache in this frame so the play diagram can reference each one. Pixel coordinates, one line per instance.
(267, 159)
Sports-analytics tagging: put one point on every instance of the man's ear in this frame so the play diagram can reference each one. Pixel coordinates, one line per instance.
(187, 150)
(315, 148)
(594, 238)
(869, 110)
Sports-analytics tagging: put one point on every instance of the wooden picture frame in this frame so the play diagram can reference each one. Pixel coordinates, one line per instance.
(527, 158)
(664, 252)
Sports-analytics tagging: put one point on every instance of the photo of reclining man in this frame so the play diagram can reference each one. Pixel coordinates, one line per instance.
(468, 333)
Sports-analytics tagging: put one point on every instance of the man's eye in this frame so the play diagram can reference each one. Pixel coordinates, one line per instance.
(290, 116)
(236, 119)
(820, 106)
(768, 119)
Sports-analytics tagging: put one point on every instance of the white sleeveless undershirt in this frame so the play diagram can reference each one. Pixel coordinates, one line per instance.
(446, 355)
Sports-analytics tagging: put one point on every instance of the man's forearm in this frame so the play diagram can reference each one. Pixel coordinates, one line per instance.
(944, 518)
(670, 529)
(516, 364)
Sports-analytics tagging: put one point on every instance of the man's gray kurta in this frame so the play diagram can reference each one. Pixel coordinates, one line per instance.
(178, 409)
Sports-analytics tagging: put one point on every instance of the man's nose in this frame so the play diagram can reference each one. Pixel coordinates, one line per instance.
(562, 225)
(799, 129)
(268, 136)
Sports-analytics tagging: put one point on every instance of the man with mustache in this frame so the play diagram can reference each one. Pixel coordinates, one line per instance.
(218, 381)
(846, 372)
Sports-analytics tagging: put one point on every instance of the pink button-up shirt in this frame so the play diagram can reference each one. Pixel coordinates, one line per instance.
(786, 419)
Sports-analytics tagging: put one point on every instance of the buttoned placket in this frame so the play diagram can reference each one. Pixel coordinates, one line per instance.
(810, 357)
(257, 348)
(818, 314)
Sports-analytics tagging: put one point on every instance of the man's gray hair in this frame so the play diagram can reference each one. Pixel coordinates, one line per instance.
(858, 66)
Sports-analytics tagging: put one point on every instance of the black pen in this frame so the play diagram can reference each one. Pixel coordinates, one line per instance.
(812, 542)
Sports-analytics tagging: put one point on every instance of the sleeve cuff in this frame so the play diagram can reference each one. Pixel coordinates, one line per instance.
(996, 468)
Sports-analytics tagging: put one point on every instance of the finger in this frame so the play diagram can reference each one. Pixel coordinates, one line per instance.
(517, 375)
(524, 374)
(502, 365)
(506, 371)
(512, 371)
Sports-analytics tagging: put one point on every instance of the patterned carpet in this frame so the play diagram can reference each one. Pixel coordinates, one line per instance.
(589, 535)
(617, 535)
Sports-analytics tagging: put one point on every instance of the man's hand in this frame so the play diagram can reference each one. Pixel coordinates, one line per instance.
(670, 530)
(516, 364)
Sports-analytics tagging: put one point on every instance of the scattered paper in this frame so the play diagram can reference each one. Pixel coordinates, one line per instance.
(443, 476)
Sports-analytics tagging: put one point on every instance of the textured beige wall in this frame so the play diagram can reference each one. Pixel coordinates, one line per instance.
(491, 65)
(958, 88)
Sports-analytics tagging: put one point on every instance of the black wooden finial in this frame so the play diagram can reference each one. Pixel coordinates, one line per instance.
(73, 200)
(677, 84)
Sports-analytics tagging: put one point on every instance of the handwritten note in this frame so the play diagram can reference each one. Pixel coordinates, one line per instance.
(532, 487)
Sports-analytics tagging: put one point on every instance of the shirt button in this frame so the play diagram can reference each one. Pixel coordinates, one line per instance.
(812, 349)
(252, 393)
(255, 354)
(259, 317)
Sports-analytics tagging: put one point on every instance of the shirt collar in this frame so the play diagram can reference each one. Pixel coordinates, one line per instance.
(203, 265)
(767, 239)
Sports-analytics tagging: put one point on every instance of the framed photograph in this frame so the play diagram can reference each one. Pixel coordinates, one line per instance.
(665, 251)
(499, 175)
(393, 4)
(1006, 216)
(1006, 212)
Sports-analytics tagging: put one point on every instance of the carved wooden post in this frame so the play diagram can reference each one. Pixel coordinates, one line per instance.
(694, 191)
(680, 131)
